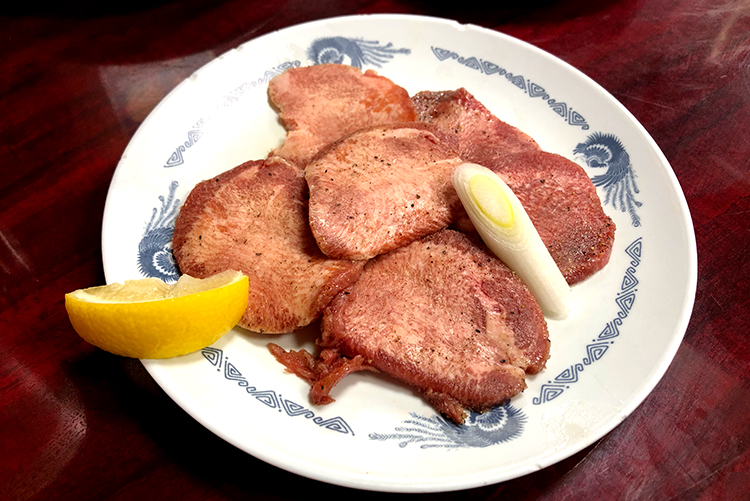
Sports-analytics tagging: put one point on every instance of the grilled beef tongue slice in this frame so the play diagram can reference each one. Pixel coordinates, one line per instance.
(381, 188)
(320, 104)
(441, 314)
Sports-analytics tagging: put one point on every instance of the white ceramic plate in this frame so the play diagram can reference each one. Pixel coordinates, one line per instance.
(627, 321)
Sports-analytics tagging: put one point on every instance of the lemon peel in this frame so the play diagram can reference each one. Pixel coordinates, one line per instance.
(149, 318)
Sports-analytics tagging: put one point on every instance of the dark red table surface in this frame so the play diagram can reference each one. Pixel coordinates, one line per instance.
(79, 423)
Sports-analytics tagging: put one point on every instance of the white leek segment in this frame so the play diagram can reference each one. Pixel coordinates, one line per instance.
(506, 229)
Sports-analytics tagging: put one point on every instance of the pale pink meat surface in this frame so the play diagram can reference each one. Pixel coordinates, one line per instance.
(446, 316)
(481, 134)
(382, 187)
(320, 104)
(557, 194)
(253, 219)
(563, 204)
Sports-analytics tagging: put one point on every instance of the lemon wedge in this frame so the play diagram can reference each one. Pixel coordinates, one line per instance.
(148, 318)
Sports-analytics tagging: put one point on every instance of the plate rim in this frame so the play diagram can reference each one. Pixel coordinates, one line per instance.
(361, 481)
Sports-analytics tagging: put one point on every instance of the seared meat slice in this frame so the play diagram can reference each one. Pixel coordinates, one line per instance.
(253, 219)
(320, 104)
(562, 202)
(557, 194)
(481, 134)
(381, 188)
(441, 314)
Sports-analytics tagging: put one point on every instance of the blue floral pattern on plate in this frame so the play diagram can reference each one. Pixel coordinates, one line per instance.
(605, 151)
(155, 257)
(352, 51)
(499, 424)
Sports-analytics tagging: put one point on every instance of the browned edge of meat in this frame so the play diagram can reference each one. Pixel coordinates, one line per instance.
(381, 188)
(322, 372)
(441, 314)
(254, 219)
(320, 104)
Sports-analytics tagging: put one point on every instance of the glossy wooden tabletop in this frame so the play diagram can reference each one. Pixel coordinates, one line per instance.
(77, 79)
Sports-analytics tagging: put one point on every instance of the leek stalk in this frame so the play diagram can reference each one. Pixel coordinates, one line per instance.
(506, 229)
